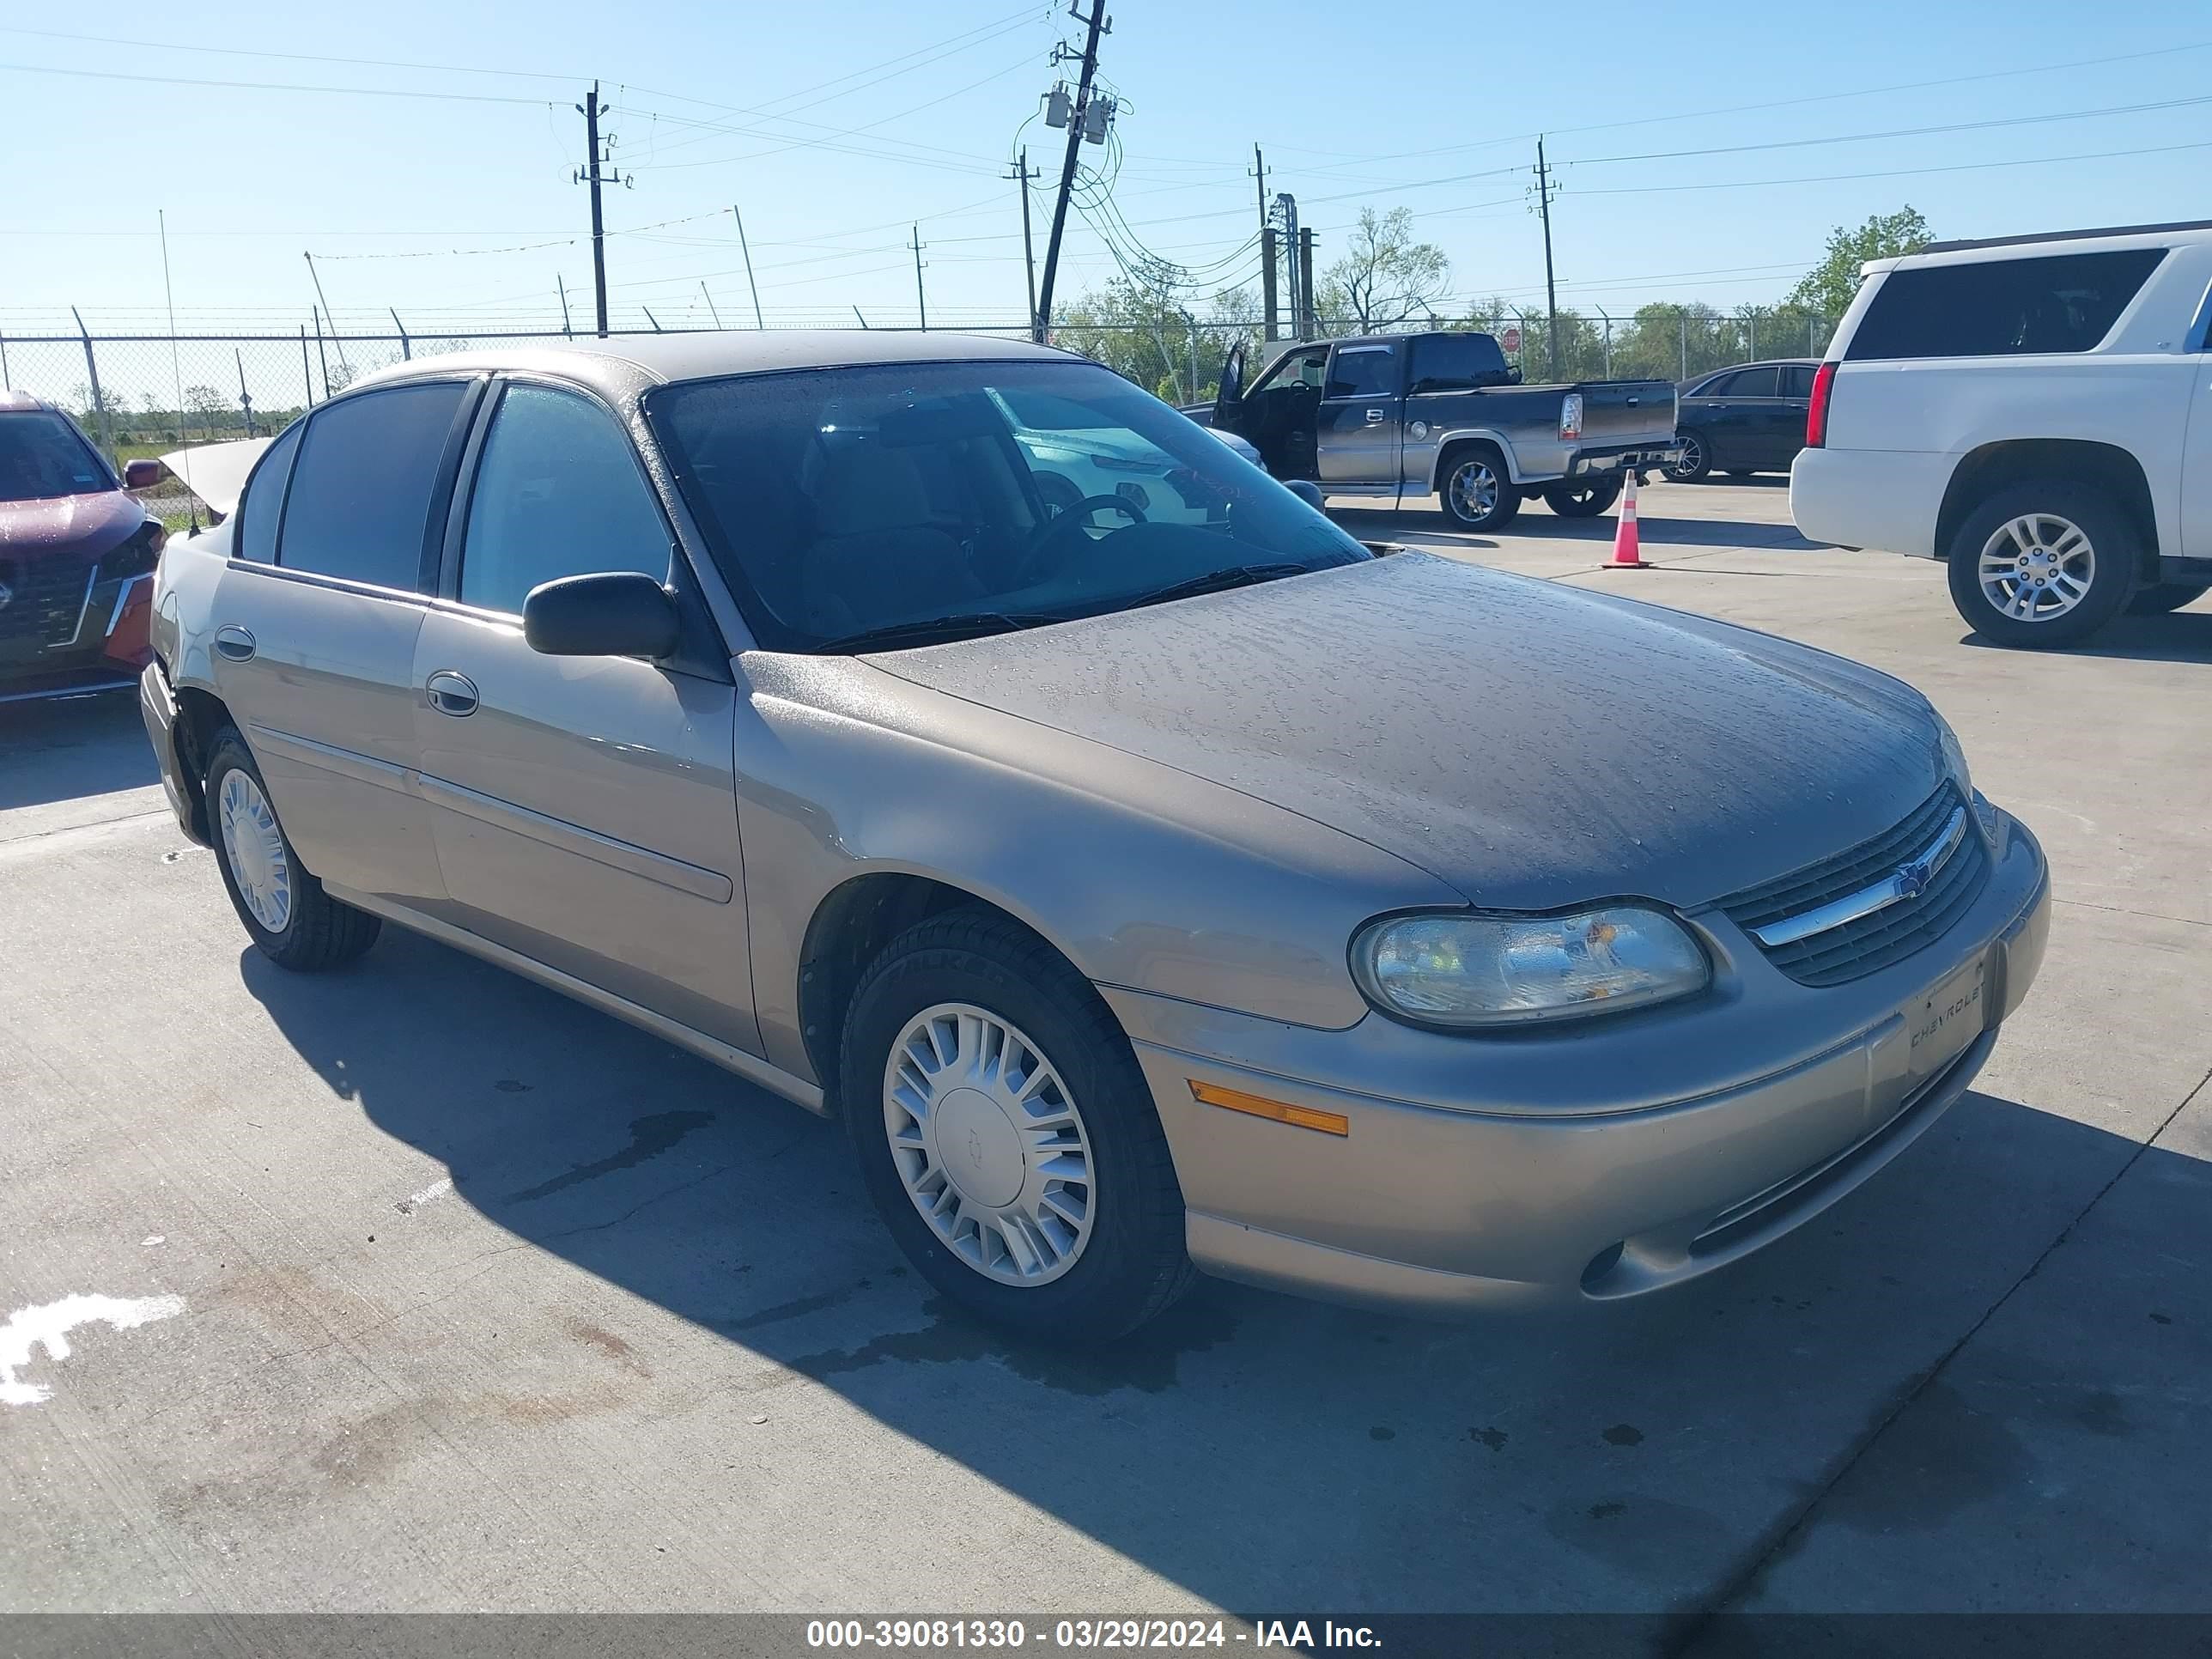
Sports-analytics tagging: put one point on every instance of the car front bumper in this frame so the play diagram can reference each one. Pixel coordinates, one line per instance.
(1638, 1153)
(157, 706)
(102, 649)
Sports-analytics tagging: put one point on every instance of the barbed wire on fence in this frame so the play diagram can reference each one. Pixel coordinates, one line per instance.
(252, 384)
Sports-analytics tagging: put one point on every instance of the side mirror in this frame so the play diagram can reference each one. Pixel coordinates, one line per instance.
(1309, 492)
(612, 614)
(141, 474)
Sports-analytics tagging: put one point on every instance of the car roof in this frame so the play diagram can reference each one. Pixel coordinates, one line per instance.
(610, 363)
(1761, 362)
(1962, 246)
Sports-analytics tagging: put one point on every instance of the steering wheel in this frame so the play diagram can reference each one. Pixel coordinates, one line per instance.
(1059, 525)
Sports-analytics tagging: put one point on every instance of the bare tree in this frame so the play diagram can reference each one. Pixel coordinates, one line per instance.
(1385, 277)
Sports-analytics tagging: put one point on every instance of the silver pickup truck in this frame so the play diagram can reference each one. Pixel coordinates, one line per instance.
(1394, 417)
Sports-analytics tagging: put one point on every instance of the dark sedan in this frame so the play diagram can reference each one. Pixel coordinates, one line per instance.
(77, 558)
(1748, 419)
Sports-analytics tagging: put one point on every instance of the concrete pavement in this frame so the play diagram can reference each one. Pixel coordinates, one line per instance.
(489, 1301)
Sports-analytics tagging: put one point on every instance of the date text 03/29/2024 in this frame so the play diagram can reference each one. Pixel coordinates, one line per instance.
(1006, 1634)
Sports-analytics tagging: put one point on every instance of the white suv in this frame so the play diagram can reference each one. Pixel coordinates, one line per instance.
(2035, 412)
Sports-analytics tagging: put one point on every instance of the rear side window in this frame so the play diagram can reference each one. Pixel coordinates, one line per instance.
(1744, 383)
(264, 499)
(2002, 308)
(360, 500)
(1456, 362)
(1798, 381)
(1363, 372)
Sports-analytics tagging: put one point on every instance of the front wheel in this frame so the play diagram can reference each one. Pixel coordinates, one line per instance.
(1477, 493)
(2041, 564)
(1584, 500)
(294, 921)
(1006, 1134)
(1695, 461)
(2163, 597)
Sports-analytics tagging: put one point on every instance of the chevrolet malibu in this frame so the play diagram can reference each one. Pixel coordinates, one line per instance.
(1150, 881)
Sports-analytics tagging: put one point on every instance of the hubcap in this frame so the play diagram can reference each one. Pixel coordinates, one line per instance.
(254, 848)
(2037, 566)
(989, 1144)
(1692, 453)
(1474, 490)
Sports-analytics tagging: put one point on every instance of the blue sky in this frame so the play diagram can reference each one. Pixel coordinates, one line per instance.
(834, 127)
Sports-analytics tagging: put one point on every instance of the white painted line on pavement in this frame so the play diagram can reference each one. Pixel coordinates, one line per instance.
(48, 1327)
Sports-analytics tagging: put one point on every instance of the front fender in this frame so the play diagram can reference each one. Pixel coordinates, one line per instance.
(1144, 876)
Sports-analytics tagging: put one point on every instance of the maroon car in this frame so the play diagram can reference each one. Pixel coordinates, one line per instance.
(77, 558)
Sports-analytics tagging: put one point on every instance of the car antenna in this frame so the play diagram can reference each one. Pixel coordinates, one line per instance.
(177, 373)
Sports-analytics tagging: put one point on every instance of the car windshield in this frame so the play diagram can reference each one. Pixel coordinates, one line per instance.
(906, 504)
(41, 458)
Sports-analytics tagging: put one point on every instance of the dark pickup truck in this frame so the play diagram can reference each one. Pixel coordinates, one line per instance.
(1396, 418)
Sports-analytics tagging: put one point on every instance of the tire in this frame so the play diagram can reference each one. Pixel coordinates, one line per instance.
(2160, 597)
(1123, 1262)
(1477, 493)
(307, 931)
(1697, 459)
(1584, 501)
(2077, 547)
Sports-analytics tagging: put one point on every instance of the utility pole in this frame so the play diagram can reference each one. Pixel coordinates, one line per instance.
(1550, 290)
(1260, 178)
(1077, 117)
(711, 311)
(1306, 283)
(318, 280)
(1267, 275)
(745, 248)
(563, 288)
(321, 356)
(1022, 173)
(921, 300)
(1286, 211)
(590, 109)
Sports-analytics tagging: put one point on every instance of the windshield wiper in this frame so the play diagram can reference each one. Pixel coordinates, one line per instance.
(1215, 581)
(938, 630)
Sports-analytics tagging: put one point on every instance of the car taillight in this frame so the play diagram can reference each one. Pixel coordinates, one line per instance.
(1571, 416)
(1816, 413)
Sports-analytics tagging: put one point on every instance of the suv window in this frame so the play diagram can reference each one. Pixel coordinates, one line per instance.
(2002, 308)
(264, 498)
(1456, 362)
(558, 493)
(1796, 381)
(368, 467)
(1364, 371)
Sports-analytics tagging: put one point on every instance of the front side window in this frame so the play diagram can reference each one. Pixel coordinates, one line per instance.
(1363, 372)
(360, 502)
(1303, 368)
(2002, 308)
(558, 493)
(947, 499)
(42, 457)
(264, 498)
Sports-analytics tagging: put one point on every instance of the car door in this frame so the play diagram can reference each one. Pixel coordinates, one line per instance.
(584, 810)
(1361, 421)
(1793, 404)
(315, 619)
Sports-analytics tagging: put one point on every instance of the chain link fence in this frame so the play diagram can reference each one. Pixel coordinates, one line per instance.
(148, 394)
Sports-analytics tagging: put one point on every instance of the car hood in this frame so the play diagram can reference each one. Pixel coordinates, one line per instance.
(1533, 744)
(86, 525)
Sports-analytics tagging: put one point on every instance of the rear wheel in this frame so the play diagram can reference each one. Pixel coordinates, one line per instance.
(2163, 597)
(1478, 495)
(1584, 499)
(295, 924)
(2043, 563)
(1006, 1134)
(1697, 459)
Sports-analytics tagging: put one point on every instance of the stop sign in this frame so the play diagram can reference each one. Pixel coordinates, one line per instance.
(1510, 339)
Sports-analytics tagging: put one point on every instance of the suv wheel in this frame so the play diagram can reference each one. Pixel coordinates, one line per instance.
(2041, 564)
(295, 924)
(1006, 1135)
(1696, 459)
(1477, 493)
(1581, 501)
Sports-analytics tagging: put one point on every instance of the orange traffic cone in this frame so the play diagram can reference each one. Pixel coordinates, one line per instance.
(1626, 553)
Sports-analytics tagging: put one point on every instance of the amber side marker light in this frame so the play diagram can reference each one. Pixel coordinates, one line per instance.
(1275, 1111)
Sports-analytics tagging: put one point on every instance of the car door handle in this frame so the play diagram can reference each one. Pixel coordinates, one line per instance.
(1374, 417)
(235, 642)
(451, 693)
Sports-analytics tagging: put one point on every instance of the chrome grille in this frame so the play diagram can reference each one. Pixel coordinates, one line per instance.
(46, 599)
(1860, 946)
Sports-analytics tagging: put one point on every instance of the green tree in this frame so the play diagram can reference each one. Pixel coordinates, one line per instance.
(1385, 277)
(1826, 289)
(1140, 333)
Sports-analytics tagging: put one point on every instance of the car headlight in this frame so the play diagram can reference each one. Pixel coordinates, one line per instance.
(1460, 969)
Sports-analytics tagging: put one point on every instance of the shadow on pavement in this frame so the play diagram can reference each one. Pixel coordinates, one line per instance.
(1262, 1452)
(2177, 636)
(80, 746)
